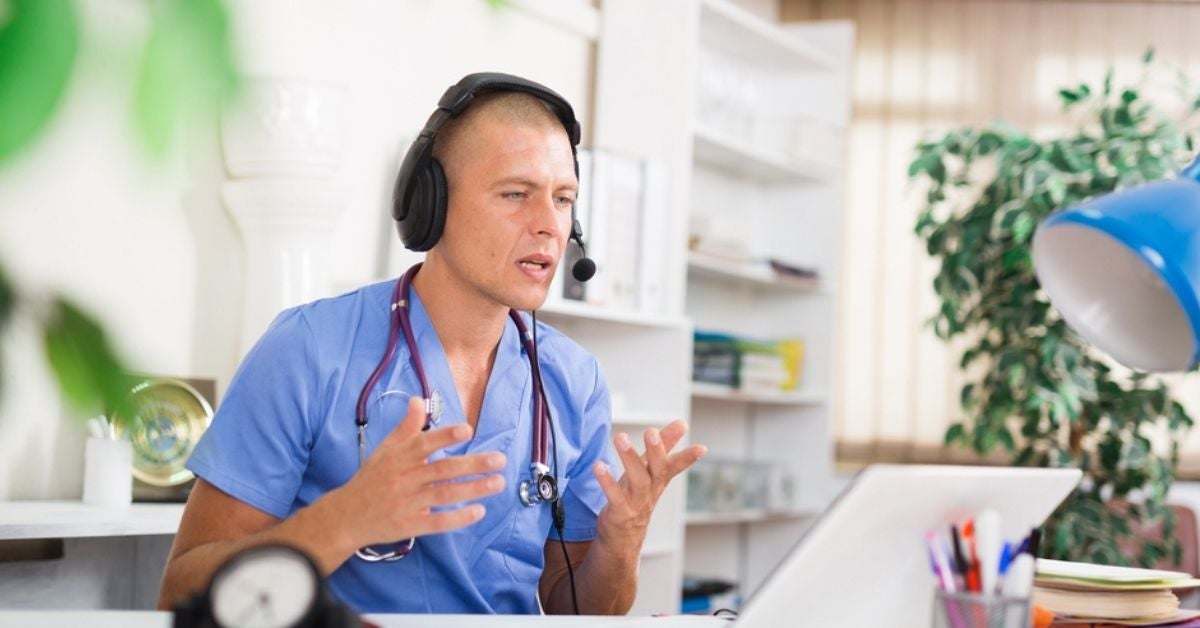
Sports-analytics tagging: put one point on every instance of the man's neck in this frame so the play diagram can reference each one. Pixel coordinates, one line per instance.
(468, 324)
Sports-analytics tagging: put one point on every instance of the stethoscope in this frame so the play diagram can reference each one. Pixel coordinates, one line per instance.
(544, 485)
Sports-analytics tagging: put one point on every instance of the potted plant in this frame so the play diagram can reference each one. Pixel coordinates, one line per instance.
(1035, 389)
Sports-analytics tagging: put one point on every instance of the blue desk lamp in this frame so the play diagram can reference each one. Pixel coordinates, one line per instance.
(1124, 271)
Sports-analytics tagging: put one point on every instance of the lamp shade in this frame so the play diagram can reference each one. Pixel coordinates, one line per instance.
(1124, 271)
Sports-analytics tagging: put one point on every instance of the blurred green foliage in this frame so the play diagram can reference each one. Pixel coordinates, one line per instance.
(186, 63)
(1035, 389)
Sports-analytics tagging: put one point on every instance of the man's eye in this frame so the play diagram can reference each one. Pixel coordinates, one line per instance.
(566, 201)
(515, 196)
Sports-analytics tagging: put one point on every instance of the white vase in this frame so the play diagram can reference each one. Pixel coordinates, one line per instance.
(283, 126)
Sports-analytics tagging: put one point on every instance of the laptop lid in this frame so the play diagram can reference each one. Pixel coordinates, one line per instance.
(864, 563)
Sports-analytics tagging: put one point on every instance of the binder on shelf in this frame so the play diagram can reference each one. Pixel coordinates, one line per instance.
(617, 216)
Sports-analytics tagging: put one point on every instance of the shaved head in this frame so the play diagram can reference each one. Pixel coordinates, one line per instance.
(458, 140)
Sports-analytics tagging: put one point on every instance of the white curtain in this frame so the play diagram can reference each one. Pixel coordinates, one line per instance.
(923, 67)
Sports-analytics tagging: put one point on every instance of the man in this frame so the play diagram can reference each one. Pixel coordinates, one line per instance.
(281, 461)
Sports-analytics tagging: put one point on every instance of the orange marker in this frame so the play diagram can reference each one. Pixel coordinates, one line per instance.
(968, 537)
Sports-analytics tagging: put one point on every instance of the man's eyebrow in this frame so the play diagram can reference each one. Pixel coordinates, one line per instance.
(527, 182)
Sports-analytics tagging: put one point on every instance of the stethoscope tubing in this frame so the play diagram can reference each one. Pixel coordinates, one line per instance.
(399, 323)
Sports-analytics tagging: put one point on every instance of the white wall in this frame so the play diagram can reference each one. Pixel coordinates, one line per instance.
(150, 250)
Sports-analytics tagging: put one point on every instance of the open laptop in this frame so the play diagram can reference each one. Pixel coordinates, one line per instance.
(864, 562)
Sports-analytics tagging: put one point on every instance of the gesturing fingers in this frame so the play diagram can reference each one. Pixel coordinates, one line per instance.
(679, 461)
(444, 521)
(612, 490)
(452, 467)
(656, 458)
(636, 474)
(414, 421)
(428, 442)
(673, 433)
(446, 493)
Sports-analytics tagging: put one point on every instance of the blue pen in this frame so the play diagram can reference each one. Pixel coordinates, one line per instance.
(1006, 556)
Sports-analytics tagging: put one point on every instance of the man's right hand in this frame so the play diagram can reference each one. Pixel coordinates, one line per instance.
(392, 496)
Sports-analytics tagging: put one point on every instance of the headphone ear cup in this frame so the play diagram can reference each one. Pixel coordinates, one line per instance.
(426, 216)
(439, 198)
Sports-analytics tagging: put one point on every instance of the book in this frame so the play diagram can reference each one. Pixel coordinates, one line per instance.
(1086, 594)
(1152, 604)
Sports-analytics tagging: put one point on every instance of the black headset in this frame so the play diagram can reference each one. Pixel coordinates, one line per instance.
(420, 195)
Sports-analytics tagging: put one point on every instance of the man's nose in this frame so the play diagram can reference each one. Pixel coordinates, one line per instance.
(549, 219)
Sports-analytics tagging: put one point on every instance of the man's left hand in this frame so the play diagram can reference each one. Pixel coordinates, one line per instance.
(631, 500)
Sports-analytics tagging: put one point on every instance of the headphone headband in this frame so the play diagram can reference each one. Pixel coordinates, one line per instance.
(419, 197)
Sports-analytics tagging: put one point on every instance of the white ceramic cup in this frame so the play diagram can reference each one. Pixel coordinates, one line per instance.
(107, 472)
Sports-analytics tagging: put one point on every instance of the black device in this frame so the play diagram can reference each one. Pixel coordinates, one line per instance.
(420, 195)
(273, 585)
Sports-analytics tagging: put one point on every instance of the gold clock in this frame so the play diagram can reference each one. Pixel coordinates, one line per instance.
(169, 417)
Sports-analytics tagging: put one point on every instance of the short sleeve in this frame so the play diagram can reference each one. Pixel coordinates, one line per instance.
(258, 445)
(584, 498)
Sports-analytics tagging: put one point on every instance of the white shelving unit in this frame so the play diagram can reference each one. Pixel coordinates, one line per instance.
(758, 276)
(759, 179)
(720, 150)
(650, 67)
(704, 390)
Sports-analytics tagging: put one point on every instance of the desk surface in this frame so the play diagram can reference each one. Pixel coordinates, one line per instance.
(159, 619)
(59, 519)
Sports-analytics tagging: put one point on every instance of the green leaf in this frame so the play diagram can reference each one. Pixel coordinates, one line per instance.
(1148, 56)
(39, 40)
(955, 434)
(1022, 228)
(8, 299)
(91, 377)
(1069, 96)
(187, 62)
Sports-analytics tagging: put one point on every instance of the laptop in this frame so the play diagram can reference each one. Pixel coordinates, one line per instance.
(864, 562)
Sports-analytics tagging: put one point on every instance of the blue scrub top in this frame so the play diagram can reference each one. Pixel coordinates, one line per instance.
(285, 434)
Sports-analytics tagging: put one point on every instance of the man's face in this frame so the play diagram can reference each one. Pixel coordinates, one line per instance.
(509, 213)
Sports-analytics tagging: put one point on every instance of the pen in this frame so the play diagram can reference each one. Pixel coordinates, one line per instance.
(987, 542)
(960, 561)
(939, 562)
(972, 556)
(1017, 585)
(1006, 556)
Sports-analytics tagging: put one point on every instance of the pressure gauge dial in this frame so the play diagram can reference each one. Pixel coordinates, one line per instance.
(267, 586)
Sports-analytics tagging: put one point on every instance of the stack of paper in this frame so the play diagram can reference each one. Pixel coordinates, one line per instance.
(1079, 593)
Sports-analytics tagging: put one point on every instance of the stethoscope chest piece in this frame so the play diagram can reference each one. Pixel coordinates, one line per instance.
(543, 488)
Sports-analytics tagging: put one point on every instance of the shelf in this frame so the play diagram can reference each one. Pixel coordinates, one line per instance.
(757, 276)
(735, 155)
(704, 390)
(744, 516)
(586, 311)
(732, 29)
(643, 419)
(64, 519)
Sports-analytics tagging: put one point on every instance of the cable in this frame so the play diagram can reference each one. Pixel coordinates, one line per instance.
(558, 512)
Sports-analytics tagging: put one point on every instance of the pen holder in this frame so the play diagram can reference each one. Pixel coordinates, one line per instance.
(107, 474)
(973, 610)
